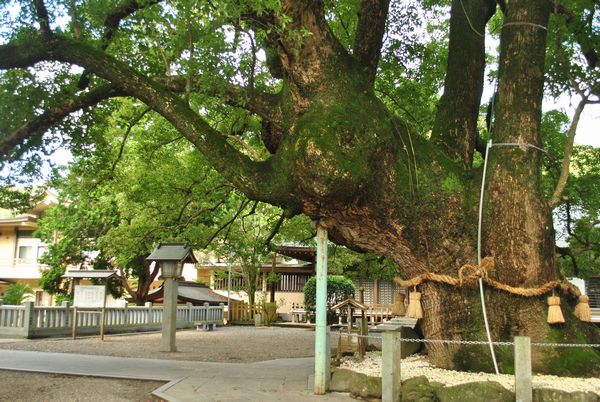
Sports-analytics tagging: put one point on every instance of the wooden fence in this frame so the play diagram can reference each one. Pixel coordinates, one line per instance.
(32, 322)
(378, 313)
(243, 313)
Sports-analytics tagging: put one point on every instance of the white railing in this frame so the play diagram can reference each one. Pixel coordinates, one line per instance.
(595, 314)
(12, 316)
(29, 321)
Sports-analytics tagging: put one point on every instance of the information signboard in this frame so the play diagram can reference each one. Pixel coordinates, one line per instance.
(90, 296)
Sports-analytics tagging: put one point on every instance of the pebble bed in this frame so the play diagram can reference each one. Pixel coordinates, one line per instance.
(417, 365)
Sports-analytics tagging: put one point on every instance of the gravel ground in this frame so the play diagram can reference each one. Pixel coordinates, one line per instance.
(225, 344)
(417, 365)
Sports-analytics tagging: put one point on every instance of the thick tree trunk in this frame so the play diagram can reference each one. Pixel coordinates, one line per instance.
(518, 230)
(377, 188)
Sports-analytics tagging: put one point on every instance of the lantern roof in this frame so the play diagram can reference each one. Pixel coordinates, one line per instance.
(176, 252)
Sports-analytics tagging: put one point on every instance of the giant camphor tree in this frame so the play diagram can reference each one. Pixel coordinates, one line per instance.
(347, 135)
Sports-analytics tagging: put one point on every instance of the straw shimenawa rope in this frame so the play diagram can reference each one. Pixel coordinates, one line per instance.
(475, 272)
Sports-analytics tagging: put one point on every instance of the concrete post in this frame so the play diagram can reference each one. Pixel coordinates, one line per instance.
(390, 367)
(206, 310)
(150, 319)
(190, 315)
(321, 362)
(65, 318)
(169, 325)
(28, 319)
(523, 378)
(222, 306)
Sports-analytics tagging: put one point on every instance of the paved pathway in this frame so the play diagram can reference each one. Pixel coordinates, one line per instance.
(274, 380)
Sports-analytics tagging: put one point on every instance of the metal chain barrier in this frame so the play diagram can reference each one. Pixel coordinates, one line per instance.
(495, 343)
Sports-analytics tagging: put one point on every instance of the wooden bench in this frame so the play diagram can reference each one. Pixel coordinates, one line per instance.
(207, 325)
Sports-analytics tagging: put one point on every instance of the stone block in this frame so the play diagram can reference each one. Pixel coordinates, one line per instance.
(489, 391)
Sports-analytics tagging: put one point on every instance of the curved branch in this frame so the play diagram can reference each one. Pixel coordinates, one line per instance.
(130, 126)
(243, 205)
(114, 17)
(263, 104)
(564, 171)
(369, 34)
(244, 145)
(53, 115)
(42, 16)
(274, 231)
(111, 22)
(255, 179)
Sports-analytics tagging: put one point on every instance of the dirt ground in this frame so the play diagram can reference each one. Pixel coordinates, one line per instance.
(18, 386)
(225, 344)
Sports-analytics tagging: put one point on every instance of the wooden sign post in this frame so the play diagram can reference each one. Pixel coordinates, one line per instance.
(90, 296)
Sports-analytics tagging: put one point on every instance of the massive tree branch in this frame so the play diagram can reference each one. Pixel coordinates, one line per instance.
(455, 127)
(254, 178)
(263, 104)
(369, 34)
(55, 114)
(309, 55)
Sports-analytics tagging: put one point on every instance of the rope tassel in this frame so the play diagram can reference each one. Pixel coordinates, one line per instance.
(582, 310)
(555, 315)
(414, 309)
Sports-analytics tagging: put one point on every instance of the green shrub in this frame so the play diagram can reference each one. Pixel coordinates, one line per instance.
(17, 293)
(338, 288)
(58, 301)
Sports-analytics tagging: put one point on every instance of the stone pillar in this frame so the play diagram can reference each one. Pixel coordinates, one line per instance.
(190, 317)
(169, 325)
(150, 319)
(222, 306)
(257, 320)
(65, 318)
(523, 378)
(28, 319)
(390, 367)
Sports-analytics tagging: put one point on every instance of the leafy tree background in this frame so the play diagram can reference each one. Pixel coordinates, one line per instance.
(331, 109)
